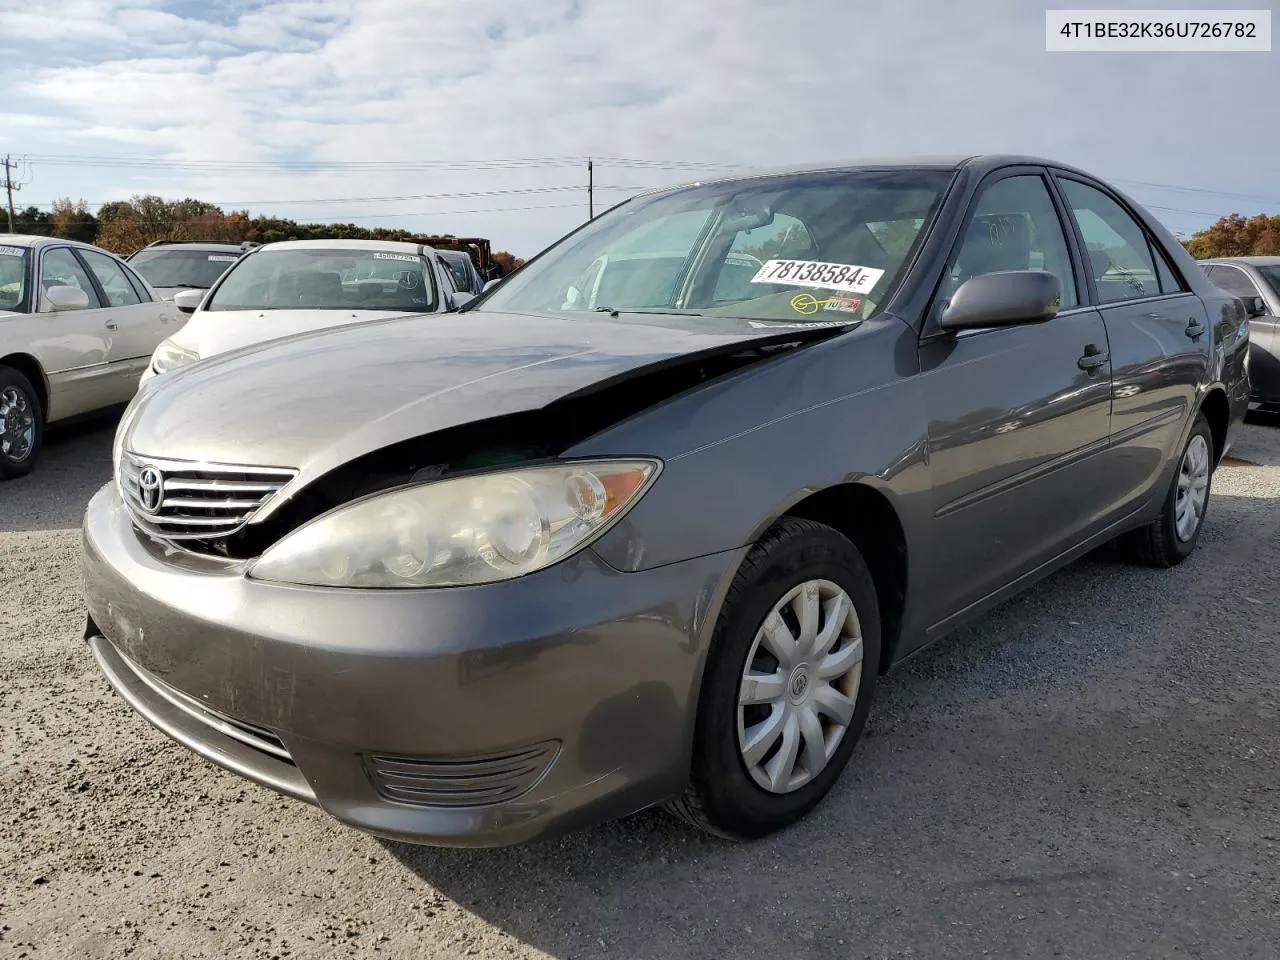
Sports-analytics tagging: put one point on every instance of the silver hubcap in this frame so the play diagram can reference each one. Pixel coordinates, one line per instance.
(800, 686)
(17, 425)
(1193, 488)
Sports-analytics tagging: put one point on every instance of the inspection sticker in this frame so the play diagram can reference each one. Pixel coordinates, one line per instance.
(11, 251)
(396, 256)
(819, 275)
(808, 303)
(222, 258)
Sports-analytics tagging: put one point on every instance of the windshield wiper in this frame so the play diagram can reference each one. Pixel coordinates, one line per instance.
(614, 311)
(611, 311)
(185, 286)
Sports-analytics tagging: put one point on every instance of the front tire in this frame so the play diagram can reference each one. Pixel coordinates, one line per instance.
(21, 424)
(788, 683)
(1172, 536)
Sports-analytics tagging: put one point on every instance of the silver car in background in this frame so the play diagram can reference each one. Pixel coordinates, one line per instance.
(1256, 281)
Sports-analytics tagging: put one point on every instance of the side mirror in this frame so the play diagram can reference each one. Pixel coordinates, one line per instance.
(1006, 298)
(188, 300)
(459, 300)
(490, 284)
(1255, 306)
(66, 298)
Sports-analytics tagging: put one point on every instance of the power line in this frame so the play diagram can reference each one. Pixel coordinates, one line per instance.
(414, 213)
(223, 165)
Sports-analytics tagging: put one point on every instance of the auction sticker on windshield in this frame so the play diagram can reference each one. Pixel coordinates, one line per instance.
(222, 258)
(11, 251)
(396, 256)
(819, 275)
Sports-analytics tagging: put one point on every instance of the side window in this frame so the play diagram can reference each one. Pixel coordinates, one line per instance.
(1169, 283)
(1119, 255)
(1015, 226)
(60, 268)
(139, 287)
(1235, 281)
(115, 284)
(449, 284)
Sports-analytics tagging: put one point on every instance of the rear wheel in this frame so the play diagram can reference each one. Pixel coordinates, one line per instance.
(21, 424)
(1170, 538)
(788, 684)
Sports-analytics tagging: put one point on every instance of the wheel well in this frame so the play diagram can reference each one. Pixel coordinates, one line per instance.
(866, 517)
(29, 367)
(1217, 411)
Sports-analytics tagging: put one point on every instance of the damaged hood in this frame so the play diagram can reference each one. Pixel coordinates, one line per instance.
(314, 401)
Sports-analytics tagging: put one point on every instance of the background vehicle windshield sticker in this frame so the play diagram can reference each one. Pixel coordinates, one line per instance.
(783, 324)
(819, 275)
(11, 251)
(222, 258)
(396, 256)
(807, 303)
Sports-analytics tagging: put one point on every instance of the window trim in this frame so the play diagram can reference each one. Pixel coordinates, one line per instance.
(929, 330)
(97, 282)
(1153, 245)
(144, 295)
(93, 281)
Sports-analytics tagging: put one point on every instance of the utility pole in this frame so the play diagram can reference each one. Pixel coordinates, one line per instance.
(591, 197)
(10, 186)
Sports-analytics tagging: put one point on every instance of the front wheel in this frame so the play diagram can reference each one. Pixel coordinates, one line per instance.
(21, 424)
(788, 684)
(1170, 538)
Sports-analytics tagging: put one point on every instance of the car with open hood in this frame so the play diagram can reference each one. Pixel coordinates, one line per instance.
(295, 286)
(77, 329)
(559, 557)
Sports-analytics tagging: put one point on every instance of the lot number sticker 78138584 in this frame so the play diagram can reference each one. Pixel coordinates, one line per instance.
(819, 275)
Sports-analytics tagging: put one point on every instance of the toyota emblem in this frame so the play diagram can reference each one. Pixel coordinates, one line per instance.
(150, 489)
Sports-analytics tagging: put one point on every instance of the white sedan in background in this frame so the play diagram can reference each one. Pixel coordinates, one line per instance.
(296, 286)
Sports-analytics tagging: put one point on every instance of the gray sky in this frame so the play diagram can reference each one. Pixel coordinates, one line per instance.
(273, 103)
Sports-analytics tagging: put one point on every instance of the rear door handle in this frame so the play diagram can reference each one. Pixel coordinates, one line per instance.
(112, 325)
(1093, 358)
(1195, 329)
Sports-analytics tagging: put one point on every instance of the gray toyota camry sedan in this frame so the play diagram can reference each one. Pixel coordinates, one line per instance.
(646, 522)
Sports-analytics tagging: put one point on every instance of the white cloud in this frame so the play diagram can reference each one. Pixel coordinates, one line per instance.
(717, 80)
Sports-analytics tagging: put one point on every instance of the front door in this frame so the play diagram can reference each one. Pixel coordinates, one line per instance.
(72, 345)
(1017, 415)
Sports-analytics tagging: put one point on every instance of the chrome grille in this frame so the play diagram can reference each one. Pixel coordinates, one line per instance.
(460, 781)
(185, 500)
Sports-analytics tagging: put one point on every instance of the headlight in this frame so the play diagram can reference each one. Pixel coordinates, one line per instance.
(469, 530)
(169, 355)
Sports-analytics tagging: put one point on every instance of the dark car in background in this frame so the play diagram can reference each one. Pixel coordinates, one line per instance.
(548, 560)
(1256, 281)
(171, 266)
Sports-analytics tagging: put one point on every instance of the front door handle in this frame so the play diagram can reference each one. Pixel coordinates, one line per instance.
(112, 325)
(1195, 329)
(1093, 358)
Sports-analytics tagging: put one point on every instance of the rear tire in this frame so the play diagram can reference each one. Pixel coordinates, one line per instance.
(21, 424)
(810, 704)
(1172, 536)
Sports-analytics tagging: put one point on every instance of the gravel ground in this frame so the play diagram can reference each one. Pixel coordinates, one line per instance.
(1091, 772)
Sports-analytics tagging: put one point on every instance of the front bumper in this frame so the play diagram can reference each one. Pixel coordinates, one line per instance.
(476, 716)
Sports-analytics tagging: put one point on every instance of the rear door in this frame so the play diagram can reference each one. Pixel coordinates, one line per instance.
(1159, 334)
(138, 323)
(1017, 416)
(73, 346)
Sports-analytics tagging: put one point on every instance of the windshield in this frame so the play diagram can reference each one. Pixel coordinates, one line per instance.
(1271, 274)
(805, 248)
(13, 278)
(197, 269)
(327, 279)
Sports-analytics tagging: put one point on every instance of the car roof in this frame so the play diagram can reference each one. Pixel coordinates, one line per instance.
(219, 245)
(979, 163)
(388, 246)
(1248, 261)
(35, 242)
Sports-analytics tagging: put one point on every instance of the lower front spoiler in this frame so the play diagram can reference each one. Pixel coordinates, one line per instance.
(213, 736)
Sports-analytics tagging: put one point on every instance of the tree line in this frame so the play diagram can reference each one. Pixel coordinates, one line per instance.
(128, 225)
